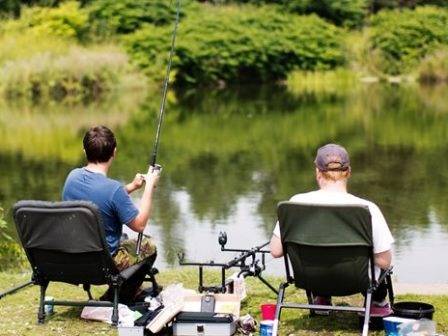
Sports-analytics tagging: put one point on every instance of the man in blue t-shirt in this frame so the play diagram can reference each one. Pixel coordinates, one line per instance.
(90, 183)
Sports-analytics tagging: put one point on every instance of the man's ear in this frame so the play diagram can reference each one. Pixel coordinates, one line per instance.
(115, 152)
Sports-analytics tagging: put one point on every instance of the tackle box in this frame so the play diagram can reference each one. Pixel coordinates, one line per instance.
(204, 324)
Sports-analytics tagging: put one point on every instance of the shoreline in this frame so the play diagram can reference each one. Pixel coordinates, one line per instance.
(420, 289)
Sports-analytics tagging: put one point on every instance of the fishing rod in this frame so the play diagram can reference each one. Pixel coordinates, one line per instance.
(153, 157)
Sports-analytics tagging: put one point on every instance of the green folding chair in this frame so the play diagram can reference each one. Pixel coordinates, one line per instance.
(65, 242)
(330, 249)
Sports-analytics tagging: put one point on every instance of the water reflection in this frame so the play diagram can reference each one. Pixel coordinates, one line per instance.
(231, 155)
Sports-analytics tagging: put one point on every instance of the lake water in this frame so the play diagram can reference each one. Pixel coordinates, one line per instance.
(230, 156)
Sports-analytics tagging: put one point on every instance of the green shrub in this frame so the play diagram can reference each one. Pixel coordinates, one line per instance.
(67, 21)
(229, 44)
(400, 39)
(3, 226)
(434, 68)
(125, 16)
(80, 72)
(376, 5)
(349, 13)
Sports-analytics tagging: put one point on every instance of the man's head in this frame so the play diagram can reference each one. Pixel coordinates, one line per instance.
(99, 144)
(332, 163)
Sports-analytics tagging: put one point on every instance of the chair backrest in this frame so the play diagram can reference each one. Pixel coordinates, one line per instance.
(64, 241)
(330, 247)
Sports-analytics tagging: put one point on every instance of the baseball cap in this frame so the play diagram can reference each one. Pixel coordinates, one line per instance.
(332, 157)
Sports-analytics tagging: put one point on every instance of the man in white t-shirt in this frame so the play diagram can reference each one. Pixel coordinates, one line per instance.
(332, 173)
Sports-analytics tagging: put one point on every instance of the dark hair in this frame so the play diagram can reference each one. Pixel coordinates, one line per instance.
(99, 144)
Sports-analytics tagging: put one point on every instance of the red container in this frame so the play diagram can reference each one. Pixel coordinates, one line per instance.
(268, 311)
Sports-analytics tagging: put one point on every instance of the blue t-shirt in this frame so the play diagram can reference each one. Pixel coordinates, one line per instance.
(113, 201)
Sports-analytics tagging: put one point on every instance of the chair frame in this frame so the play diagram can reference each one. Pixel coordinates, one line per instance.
(115, 282)
(114, 278)
(373, 286)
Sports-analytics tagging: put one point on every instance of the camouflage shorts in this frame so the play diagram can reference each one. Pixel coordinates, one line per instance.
(126, 254)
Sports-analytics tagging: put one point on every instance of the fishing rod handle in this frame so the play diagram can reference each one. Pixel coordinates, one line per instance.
(139, 244)
(154, 167)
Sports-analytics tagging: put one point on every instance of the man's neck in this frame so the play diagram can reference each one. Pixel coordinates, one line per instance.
(338, 186)
(100, 167)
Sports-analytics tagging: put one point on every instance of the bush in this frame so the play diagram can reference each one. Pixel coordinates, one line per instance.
(349, 13)
(434, 68)
(229, 44)
(3, 225)
(67, 21)
(400, 39)
(126, 16)
(12, 7)
(80, 72)
(376, 5)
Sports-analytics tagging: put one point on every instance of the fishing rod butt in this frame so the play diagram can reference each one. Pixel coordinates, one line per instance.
(139, 244)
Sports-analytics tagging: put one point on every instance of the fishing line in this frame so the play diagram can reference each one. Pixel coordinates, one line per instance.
(153, 157)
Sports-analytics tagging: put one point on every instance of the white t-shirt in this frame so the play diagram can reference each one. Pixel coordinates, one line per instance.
(382, 238)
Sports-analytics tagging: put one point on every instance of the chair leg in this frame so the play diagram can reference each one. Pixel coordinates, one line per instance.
(152, 279)
(115, 308)
(390, 289)
(41, 309)
(86, 287)
(278, 309)
(310, 298)
(368, 302)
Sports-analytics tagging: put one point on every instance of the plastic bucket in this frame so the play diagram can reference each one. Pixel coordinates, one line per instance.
(266, 328)
(413, 310)
(268, 311)
(391, 324)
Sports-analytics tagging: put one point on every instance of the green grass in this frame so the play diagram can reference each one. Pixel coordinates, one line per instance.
(18, 311)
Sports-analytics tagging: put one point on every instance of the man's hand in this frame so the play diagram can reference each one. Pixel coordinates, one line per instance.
(153, 175)
(151, 178)
(137, 183)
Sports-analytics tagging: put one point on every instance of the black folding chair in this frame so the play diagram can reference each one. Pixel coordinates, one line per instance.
(65, 242)
(330, 249)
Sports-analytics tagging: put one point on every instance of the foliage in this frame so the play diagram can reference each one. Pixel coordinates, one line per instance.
(13, 7)
(81, 73)
(3, 225)
(348, 13)
(228, 44)
(336, 82)
(66, 21)
(434, 68)
(376, 5)
(125, 16)
(400, 39)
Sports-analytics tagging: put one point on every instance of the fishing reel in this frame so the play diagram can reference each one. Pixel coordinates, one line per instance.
(156, 167)
(222, 239)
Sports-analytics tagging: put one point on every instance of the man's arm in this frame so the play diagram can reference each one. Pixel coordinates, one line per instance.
(383, 259)
(138, 224)
(276, 247)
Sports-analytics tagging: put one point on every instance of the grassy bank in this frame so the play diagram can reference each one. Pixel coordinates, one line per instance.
(19, 310)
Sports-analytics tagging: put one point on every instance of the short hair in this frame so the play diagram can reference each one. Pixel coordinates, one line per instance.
(335, 175)
(99, 144)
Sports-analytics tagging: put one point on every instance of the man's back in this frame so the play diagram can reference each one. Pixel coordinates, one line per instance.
(109, 195)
